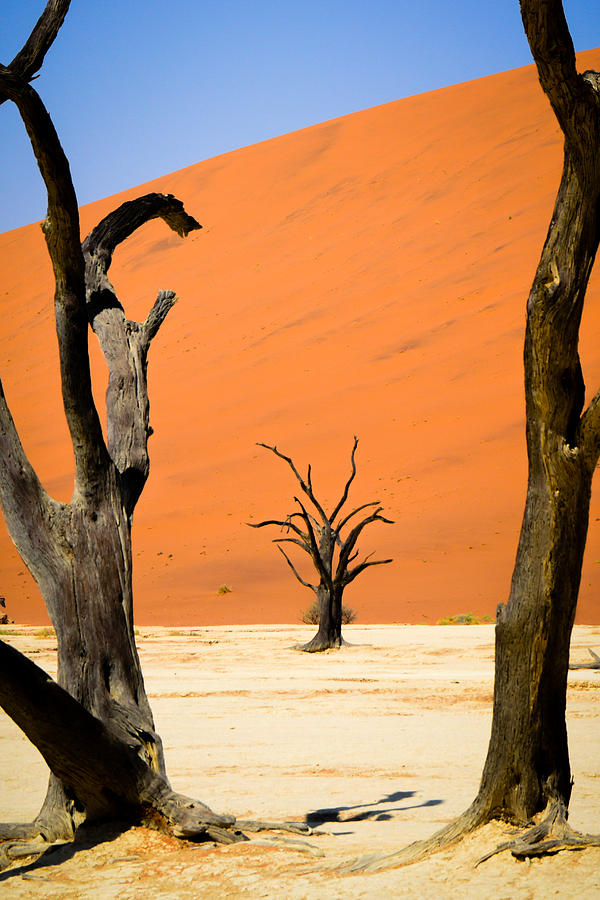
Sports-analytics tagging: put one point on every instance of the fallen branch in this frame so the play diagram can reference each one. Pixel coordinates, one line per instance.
(595, 664)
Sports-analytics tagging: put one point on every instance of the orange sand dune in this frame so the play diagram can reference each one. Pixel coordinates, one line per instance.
(364, 276)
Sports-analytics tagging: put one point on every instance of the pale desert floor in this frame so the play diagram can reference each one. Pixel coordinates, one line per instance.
(382, 743)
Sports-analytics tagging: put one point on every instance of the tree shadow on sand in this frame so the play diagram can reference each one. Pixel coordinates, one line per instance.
(362, 811)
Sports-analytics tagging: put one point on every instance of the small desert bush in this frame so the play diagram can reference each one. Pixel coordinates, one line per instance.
(224, 589)
(311, 615)
(465, 619)
(44, 633)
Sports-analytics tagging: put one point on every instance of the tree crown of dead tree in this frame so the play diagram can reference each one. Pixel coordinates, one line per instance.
(322, 534)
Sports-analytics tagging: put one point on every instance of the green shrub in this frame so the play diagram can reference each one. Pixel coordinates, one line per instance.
(224, 589)
(465, 619)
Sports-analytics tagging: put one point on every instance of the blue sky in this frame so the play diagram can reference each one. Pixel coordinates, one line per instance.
(139, 88)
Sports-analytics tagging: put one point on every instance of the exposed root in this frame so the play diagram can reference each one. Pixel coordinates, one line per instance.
(450, 834)
(11, 851)
(20, 840)
(288, 844)
(551, 835)
(293, 827)
(319, 644)
(594, 664)
(19, 831)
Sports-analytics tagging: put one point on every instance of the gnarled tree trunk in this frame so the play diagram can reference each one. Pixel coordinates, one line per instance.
(80, 553)
(527, 772)
(329, 632)
(528, 762)
(94, 727)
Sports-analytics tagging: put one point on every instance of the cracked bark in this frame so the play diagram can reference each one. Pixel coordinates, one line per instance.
(95, 727)
(527, 775)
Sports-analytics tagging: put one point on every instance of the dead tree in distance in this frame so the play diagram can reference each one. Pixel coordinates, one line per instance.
(527, 774)
(95, 727)
(319, 535)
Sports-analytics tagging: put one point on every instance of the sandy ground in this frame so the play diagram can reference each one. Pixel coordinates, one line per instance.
(381, 743)
(365, 276)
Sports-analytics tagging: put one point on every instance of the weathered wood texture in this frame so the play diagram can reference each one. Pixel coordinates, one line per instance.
(527, 771)
(80, 552)
(527, 766)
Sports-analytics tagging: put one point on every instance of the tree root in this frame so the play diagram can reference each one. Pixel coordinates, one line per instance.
(319, 645)
(450, 834)
(549, 836)
(176, 814)
(594, 664)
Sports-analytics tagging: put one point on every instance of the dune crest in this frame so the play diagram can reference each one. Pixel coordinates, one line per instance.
(364, 276)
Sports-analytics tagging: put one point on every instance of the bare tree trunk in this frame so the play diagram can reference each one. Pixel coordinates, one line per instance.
(527, 771)
(528, 762)
(329, 633)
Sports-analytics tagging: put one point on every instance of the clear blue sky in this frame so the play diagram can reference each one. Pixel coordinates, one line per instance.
(139, 88)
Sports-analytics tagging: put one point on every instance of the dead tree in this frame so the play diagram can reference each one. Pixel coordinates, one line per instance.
(95, 727)
(527, 775)
(319, 535)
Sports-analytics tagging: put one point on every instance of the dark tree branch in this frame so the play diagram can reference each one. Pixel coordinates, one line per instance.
(282, 524)
(552, 49)
(61, 230)
(351, 574)
(306, 486)
(292, 567)
(120, 224)
(350, 542)
(355, 511)
(163, 304)
(316, 550)
(348, 483)
(302, 544)
(29, 59)
(124, 343)
(25, 504)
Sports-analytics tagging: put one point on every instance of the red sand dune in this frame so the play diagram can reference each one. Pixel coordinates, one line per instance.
(364, 276)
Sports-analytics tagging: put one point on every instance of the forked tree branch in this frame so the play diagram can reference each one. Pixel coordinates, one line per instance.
(292, 567)
(350, 542)
(125, 343)
(29, 59)
(283, 523)
(351, 574)
(356, 511)
(348, 483)
(306, 486)
(61, 230)
(552, 48)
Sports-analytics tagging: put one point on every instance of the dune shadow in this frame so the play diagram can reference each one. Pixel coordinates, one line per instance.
(362, 811)
(87, 837)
